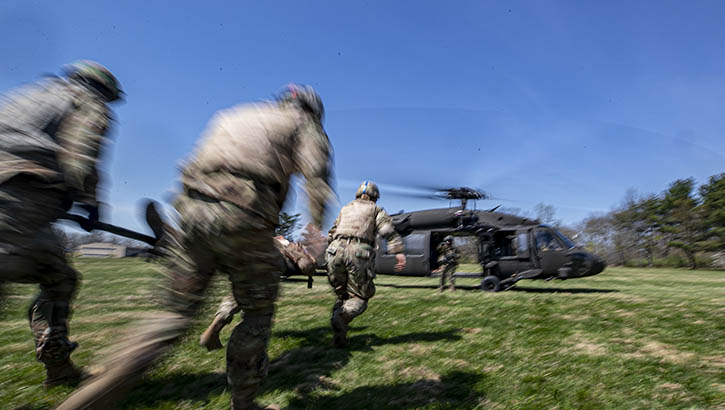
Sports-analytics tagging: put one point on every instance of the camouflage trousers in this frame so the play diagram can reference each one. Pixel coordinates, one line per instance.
(214, 236)
(350, 271)
(30, 252)
(448, 276)
(227, 309)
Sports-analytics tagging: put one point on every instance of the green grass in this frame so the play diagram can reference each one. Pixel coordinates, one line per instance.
(628, 338)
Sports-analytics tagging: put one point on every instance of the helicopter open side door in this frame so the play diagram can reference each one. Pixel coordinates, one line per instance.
(511, 251)
(417, 254)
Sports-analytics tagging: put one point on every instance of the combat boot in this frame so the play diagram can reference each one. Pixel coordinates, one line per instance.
(64, 374)
(210, 337)
(339, 327)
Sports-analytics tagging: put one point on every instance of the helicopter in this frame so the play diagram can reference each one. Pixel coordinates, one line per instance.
(509, 248)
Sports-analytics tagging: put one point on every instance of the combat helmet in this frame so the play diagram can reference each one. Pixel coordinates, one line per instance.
(306, 97)
(95, 75)
(448, 239)
(370, 189)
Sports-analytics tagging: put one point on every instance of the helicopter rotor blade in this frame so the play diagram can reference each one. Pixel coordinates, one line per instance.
(417, 195)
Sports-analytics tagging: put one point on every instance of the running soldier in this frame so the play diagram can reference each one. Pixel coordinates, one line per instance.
(351, 256)
(52, 133)
(233, 189)
(296, 261)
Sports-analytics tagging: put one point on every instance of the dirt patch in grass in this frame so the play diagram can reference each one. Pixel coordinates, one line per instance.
(670, 386)
(715, 361)
(493, 368)
(662, 351)
(419, 349)
(573, 318)
(630, 298)
(456, 363)
(587, 346)
(624, 313)
(420, 372)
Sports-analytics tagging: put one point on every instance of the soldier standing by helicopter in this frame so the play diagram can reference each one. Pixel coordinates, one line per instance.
(351, 256)
(448, 256)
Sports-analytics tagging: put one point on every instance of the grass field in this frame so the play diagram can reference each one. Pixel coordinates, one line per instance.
(628, 338)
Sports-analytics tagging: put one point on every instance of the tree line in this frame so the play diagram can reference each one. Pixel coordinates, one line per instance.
(682, 225)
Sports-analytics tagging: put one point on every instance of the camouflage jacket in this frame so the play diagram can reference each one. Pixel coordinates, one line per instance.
(263, 143)
(54, 130)
(364, 220)
(447, 254)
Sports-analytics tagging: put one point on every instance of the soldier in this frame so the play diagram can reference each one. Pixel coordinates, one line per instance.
(448, 257)
(51, 135)
(233, 189)
(296, 261)
(351, 256)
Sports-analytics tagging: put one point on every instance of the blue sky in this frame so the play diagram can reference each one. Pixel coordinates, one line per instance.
(563, 102)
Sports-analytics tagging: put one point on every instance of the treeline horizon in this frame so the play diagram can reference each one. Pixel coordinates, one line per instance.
(682, 226)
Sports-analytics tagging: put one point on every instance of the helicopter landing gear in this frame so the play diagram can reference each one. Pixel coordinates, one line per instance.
(491, 284)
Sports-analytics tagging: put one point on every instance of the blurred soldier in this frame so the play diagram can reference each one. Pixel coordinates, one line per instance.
(233, 189)
(51, 135)
(351, 256)
(296, 262)
(448, 257)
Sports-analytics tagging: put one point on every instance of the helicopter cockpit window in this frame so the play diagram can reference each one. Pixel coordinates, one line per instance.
(568, 242)
(545, 241)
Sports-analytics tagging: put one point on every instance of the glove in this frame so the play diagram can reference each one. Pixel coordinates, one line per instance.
(92, 217)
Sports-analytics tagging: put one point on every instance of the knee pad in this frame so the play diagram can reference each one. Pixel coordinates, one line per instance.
(352, 308)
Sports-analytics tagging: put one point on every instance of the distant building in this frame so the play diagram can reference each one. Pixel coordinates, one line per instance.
(108, 250)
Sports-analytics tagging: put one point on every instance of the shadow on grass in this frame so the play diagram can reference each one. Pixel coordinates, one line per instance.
(455, 390)
(433, 287)
(302, 370)
(310, 365)
(515, 288)
(177, 387)
(560, 290)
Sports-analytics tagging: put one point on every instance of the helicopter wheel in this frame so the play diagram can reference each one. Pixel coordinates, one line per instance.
(491, 284)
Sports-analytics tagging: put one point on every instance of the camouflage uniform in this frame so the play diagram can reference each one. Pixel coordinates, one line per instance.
(234, 187)
(295, 261)
(448, 257)
(51, 133)
(351, 259)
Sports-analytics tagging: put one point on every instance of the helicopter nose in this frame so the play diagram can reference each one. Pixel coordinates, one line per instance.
(597, 265)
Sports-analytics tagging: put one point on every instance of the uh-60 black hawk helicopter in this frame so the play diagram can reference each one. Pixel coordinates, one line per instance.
(510, 248)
